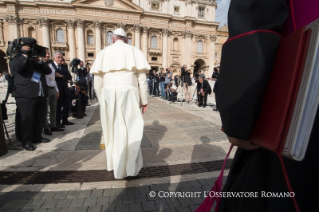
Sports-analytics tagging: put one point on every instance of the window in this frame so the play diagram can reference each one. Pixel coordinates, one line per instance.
(90, 54)
(155, 6)
(154, 42)
(200, 46)
(109, 37)
(201, 12)
(60, 35)
(90, 37)
(175, 44)
(176, 10)
(129, 38)
(154, 58)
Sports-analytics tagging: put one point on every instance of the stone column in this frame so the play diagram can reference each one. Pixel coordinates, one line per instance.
(13, 25)
(188, 47)
(98, 41)
(71, 38)
(144, 40)
(44, 23)
(165, 32)
(1, 33)
(213, 39)
(137, 29)
(81, 41)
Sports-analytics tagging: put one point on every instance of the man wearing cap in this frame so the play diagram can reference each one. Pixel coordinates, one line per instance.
(121, 86)
(203, 89)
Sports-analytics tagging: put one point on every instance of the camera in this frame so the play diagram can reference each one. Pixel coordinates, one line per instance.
(182, 69)
(74, 64)
(15, 47)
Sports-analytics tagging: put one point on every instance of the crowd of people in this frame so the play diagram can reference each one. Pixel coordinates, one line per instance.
(165, 85)
(45, 94)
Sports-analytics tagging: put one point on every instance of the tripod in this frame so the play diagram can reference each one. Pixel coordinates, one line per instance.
(182, 86)
(194, 95)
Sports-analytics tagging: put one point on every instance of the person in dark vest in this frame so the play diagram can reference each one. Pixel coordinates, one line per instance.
(203, 90)
(30, 91)
(62, 76)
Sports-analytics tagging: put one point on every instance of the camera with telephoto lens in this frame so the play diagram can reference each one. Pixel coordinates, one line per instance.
(74, 63)
(15, 48)
(183, 69)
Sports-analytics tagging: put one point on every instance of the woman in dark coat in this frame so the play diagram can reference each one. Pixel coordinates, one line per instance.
(246, 65)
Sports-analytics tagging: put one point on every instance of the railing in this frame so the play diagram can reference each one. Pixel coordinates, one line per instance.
(59, 44)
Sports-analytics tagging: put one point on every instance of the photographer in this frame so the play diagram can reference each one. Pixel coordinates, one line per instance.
(171, 91)
(203, 89)
(161, 83)
(30, 91)
(82, 74)
(186, 82)
(62, 76)
(78, 99)
(168, 79)
(154, 84)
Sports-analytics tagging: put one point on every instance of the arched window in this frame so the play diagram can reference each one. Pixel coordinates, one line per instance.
(31, 32)
(129, 38)
(60, 35)
(175, 44)
(109, 35)
(90, 37)
(199, 46)
(154, 42)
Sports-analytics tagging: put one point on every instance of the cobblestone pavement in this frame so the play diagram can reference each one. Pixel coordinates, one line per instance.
(187, 197)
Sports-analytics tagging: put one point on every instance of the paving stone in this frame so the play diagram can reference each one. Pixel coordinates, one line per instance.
(116, 199)
(3, 195)
(129, 198)
(144, 189)
(23, 204)
(108, 208)
(85, 193)
(95, 208)
(184, 201)
(140, 197)
(197, 200)
(50, 203)
(54, 209)
(155, 187)
(26, 210)
(77, 202)
(109, 192)
(103, 200)
(40, 210)
(90, 201)
(202, 182)
(63, 203)
(185, 185)
(10, 196)
(169, 210)
(136, 206)
(164, 186)
(193, 207)
(37, 195)
(197, 189)
(81, 209)
(121, 191)
(173, 203)
(211, 181)
(161, 204)
(37, 203)
(132, 190)
(49, 195)
(207, 188)
(148, 206)
(67, 209)
(153, 198)
(183, 209)
(61, 195)
(184, 190)
(73, 194)
(195, 183)
(121, 208)
(10, 210)
(97, 193)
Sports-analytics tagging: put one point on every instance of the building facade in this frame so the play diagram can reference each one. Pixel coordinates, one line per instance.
(169, 32)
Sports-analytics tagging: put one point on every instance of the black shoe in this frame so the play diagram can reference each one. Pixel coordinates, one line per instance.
(60, 126)
(56, 129)
(204, 106)
(43, 140)
(200, 105)
(84, 114)
(67, 123)
(47, 132)
(28, 147)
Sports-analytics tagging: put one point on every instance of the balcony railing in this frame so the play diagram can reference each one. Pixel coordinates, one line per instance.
(153, 51)
(59, 44)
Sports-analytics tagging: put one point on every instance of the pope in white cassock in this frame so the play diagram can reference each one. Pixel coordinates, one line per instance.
(121, 86)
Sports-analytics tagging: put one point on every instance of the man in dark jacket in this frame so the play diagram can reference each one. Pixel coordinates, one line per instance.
(203, 89)
(155, 84)
(186, 82)
(62, 76)
(30, 91)
(76, 93)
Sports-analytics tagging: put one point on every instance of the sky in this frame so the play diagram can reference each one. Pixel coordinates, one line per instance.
(222, 11)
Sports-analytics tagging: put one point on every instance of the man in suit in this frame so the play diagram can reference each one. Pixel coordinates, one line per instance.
(203, 89)
(62, 75)
(30, 91)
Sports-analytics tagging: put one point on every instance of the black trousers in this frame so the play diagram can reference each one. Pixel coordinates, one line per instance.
(30, 119)
(90, 90)
(63, 101)
(155, 90)
(202, 100)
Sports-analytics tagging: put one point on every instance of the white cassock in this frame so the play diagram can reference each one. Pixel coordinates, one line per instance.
(121, 86)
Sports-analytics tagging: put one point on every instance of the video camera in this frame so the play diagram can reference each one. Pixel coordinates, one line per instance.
(75, 62)
(14, 48)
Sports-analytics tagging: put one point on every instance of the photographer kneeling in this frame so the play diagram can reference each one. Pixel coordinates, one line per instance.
(79, 99)
(171, 91)
(203, 89)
